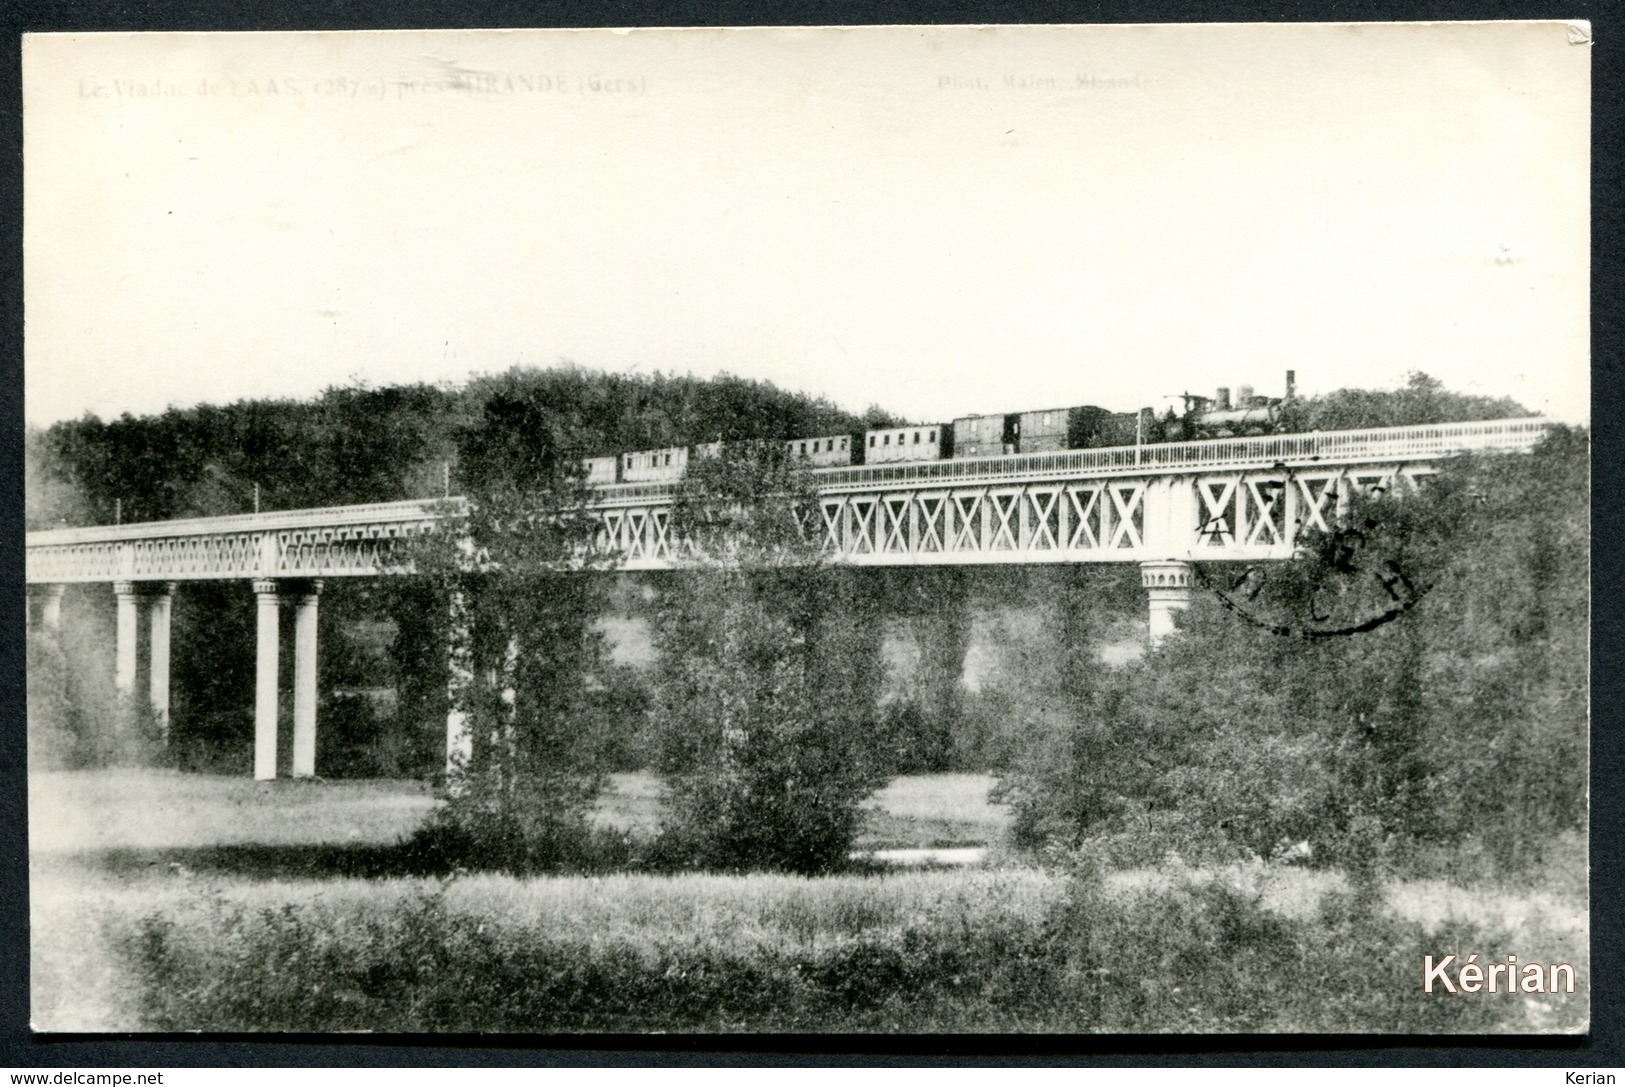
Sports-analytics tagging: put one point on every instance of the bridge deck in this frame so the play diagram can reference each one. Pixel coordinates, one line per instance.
(1103, 516)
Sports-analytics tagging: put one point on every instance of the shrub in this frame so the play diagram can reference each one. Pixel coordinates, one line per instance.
(348, 741)
(912, 741)
(52, 744)
(619, 710)
(214, 742)
(76, 718)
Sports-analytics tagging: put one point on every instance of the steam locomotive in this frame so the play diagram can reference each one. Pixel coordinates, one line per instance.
(969, 436)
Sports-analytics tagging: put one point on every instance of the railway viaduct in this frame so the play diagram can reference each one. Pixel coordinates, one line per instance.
(1160, 506)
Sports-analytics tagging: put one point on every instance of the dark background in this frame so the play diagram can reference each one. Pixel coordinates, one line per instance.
(1605, 1047)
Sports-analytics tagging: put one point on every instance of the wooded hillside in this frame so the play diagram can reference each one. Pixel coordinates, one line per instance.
(360, 444)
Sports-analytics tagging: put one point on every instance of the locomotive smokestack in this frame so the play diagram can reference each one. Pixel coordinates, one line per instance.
(1291, 383)
(1244, 396)
(1221, 402)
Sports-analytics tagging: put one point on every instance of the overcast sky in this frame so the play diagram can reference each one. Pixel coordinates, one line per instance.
(940, 221)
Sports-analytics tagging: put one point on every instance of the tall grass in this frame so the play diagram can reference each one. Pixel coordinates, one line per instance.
(1005, 950)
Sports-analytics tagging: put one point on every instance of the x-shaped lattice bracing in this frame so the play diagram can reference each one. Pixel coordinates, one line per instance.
(1046, 518)
(1126, 499)
(1086, 511)
(659, 522)
(863, 525)
(609, 528)
(1215, 529)
(896, 534)
(832, 524)
(967, 535)
(1005, 505)
(933, 512)
(1317, 507)
(1269, 500)
(637, 526)
(803, 517)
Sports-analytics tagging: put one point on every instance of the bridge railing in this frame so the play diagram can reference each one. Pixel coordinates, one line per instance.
(408, 510)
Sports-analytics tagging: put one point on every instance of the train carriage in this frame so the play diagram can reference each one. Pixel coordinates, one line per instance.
(598, 471)
(984, 435)
(827, 451)
(1045, 431)
(654, 465)
(910, 443)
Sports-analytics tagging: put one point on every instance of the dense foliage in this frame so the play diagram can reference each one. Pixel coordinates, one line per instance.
(73, 717)
(1422, 399)
(361, 444)
(920, 729)
(1460, 723)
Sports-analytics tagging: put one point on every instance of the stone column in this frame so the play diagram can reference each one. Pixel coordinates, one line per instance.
(49, 598)
(510, 696)
(460, 677)
(304, 680)
(268, 603)
(1168, 584)
(125, 647)
(158, 612)
(1171, 518)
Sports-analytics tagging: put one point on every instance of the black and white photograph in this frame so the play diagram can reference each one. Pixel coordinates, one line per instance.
(879, 531)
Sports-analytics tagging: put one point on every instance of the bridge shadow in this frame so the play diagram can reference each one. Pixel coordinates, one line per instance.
(406, 859)
(258, 861)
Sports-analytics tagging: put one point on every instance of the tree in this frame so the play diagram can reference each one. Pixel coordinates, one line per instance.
(517, 567)
(418, 608)
(1459, 722)
(769, 674)
(936, 602)
(1422, 399)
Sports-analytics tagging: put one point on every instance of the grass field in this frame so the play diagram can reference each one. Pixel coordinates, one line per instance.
(133, 840)
(170, 901)
(167, 810)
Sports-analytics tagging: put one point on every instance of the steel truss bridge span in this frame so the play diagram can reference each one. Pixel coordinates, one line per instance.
(1226, 499)
(1161, 506)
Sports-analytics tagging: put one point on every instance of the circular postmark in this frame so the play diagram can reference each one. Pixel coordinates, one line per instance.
(1352, 578)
